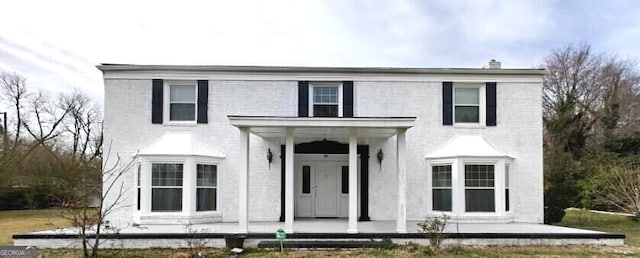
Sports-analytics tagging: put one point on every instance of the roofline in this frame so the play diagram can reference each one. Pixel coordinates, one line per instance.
(298, 69)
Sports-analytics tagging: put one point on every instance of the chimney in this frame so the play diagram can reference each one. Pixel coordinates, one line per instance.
(493, 64)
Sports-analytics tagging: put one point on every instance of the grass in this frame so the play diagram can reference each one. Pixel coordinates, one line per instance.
(604, 222)
(22, 221)
(12, 222)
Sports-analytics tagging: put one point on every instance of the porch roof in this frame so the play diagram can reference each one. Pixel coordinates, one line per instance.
(327, 127)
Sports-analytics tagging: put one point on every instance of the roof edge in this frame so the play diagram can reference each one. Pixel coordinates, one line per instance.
(296, 69)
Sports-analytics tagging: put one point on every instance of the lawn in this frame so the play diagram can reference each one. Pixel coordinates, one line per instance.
(30, 220)
(21, 221)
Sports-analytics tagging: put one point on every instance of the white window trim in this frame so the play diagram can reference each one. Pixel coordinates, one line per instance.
(431, 187)
(188, 213)
(494, 188)
(166, 99)
(482, 102)
(326, 84)
(217, 187)
(458, 205)
(150, 186)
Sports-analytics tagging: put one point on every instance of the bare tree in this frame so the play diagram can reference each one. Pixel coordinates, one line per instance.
(84, 126)
(90, 222)
(14, 90)
(621, 187)
(49, 117)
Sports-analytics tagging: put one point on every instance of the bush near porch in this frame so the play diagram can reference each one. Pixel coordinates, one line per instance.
(12, 222)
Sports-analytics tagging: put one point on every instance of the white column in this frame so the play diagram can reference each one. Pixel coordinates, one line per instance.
(243, 179)
(353, 181)
(401, 220)
(288, 178)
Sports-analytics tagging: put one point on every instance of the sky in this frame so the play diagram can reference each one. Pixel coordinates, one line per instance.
(57, 44)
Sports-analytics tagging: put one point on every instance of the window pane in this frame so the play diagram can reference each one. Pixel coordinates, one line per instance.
(467, 114)
(138, 174)
(506, 199)
(479, 200)
(206, 199)
(442, 199)
(138, 199)
(506, 176)
(325, 110)
(183, 93)
(166, 174)
(345, 179)
(467, 96)
(166, 199)
(207, 175)
(478, 176)
(441, 176)
(306, 179)
(325, 95)
(182, 112)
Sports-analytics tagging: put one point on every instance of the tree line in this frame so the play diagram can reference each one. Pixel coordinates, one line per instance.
(51, 146)
(591, 105)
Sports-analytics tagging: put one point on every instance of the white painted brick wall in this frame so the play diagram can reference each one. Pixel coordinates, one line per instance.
(128, 128)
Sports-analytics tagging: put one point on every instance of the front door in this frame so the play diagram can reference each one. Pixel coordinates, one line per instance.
(326, 190)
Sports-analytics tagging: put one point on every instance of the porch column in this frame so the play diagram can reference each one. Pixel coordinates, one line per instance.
(401, 220)
(353, 181)
(288, 174)
(243, 179)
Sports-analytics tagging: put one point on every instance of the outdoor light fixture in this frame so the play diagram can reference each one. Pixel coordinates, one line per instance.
(380, 157)
(269, 157)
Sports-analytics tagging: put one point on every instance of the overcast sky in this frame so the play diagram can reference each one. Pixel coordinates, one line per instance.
(56, 44)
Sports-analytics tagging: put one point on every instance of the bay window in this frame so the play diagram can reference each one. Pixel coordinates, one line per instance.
(441, 187)
(206, 187)
(479, 188)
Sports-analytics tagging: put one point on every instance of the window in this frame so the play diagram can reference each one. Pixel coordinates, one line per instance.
(325, 101)
(138, 179)
(182, 102)
(345, 179)
(166, 186)
(467, 105)
(441, 187)
(479, 188)
(506, 188)
(306, 179)
(206, 187)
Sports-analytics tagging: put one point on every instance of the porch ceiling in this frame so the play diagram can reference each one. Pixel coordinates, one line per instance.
(323, 127)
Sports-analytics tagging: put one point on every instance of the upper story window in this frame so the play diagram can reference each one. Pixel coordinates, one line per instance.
(326, 101)
(467, 104)
(182, 102)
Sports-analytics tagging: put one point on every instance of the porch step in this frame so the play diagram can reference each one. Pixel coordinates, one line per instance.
(323, 244)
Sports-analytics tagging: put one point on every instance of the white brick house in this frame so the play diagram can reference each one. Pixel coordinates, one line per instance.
(356, 143)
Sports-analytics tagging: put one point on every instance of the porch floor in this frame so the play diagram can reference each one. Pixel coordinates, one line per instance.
(326, 229)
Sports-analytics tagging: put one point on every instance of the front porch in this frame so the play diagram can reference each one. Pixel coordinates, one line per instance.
(213, 235)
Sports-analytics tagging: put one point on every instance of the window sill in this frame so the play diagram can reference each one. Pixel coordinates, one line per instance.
(181, 123)
(475, 217)
(179, 217)
(470, 125)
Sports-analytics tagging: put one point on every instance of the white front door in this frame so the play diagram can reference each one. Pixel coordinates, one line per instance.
(326, 190)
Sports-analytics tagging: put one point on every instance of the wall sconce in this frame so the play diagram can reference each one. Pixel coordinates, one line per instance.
(380, 157)
(269, 157)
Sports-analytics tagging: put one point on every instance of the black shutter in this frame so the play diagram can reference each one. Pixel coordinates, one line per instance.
(156, 101)
(491, 104)
(347, 98)
(447, 103)
(303, 99)
(203, 100)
